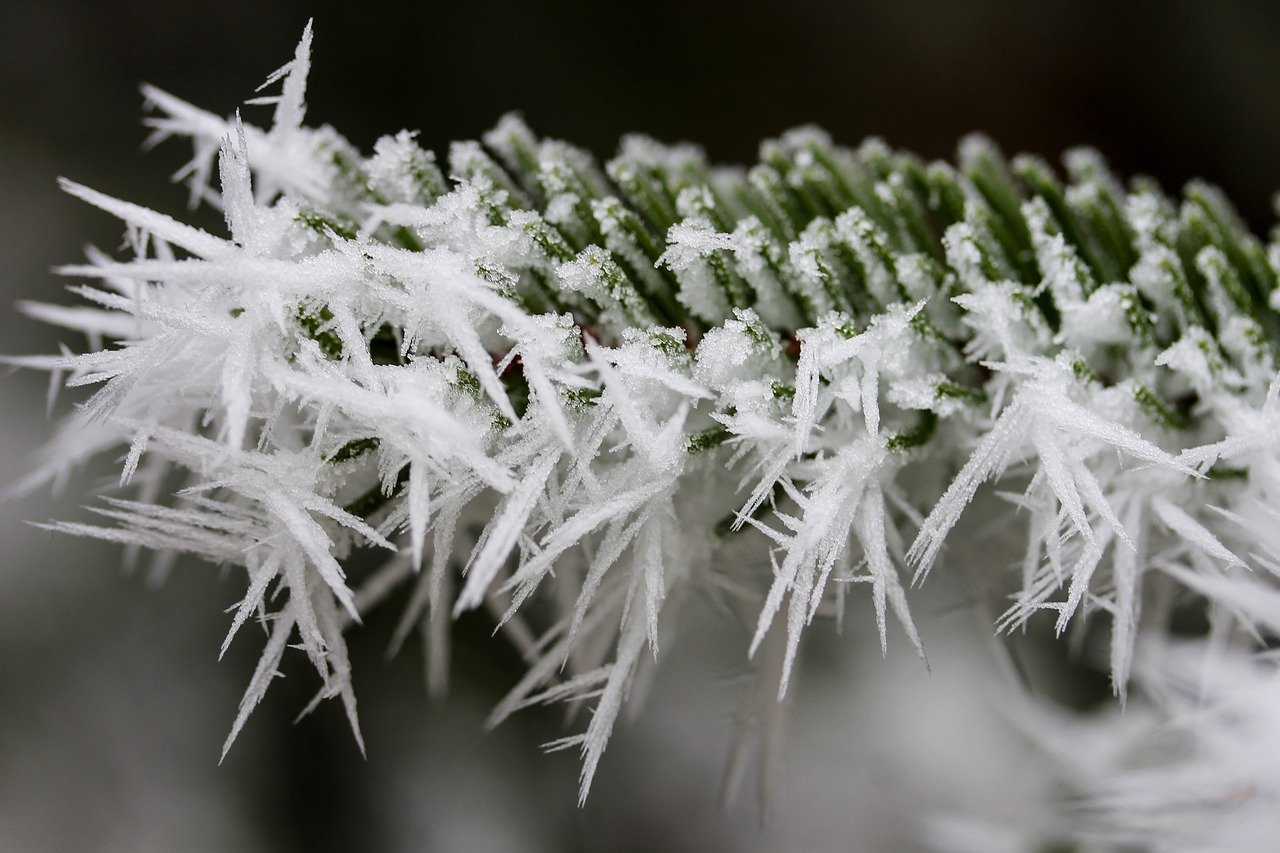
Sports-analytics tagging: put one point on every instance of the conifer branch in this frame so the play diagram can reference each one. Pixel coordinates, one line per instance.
(617, 371)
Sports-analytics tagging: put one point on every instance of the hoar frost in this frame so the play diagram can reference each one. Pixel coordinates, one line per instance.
(618, 373)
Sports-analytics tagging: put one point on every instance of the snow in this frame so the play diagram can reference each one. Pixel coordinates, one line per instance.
(598, 389)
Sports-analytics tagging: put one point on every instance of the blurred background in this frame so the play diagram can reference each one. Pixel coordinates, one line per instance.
(113, 707)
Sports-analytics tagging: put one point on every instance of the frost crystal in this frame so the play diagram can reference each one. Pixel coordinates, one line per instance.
(619, 375)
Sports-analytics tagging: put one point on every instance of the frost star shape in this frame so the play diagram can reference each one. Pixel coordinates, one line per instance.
(661, 378)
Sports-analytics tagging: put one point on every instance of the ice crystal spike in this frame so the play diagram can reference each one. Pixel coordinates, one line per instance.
(620, 374)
